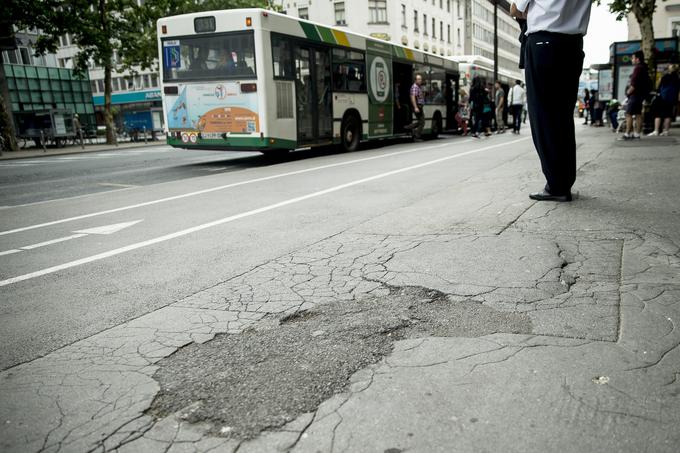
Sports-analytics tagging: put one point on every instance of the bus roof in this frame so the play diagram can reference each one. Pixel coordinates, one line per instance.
(235, 19)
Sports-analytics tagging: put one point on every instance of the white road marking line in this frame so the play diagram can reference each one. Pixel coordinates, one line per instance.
(167, 237)
(53, 241)
(109, 229)
(215, 169)
(66, 198)
(102, 230)
(113, 184)
(227, 186)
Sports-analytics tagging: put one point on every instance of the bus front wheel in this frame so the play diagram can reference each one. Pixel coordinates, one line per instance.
(351, 133)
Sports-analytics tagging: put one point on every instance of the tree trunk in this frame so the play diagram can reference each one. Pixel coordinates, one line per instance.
(644, 12)
(111, 138)
(6, 121)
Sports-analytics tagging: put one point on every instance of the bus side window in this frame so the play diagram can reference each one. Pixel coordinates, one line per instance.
(349, 71)
(282, 58)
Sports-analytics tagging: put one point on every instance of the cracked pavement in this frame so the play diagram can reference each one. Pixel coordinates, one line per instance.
(554, 329)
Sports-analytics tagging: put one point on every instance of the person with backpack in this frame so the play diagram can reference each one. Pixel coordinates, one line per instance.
(481, 107)
(586, 105)
(638, 89)
(667, 97)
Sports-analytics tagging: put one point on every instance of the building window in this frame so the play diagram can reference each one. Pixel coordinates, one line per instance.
(154, 80)
(458, 36)
(25, 56)
(434, 28)
(147, 81)
(448, 6)
(340, 13)
(425, 24)
(441, 30)
(377, 11)
(93, 86)
(458, 8)
(415, 21)
(441, 4)
(303, 13)
(675, 28)
(448, 33)
(403, 16)
(100, 85)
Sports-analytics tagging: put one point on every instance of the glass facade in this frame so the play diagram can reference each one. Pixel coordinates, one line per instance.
(35, 88)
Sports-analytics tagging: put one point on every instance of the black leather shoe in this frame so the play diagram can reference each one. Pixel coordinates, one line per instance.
(547, 196)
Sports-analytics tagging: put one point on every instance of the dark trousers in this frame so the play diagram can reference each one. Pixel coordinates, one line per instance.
(516, 116)
(613, 119)
(418, 123)
(553, 66)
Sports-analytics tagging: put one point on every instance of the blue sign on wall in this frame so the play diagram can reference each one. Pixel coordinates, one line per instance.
(131, 97)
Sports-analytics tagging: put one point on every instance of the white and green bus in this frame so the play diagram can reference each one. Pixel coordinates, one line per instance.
(252, 79)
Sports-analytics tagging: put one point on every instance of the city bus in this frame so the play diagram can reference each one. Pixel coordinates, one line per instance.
(253, 79)
(471, 66)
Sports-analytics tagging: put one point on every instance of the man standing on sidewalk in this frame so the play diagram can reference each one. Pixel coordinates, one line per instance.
(516, 105)
(638, 89)
(500, 108)
(554, 59)
(417, 101)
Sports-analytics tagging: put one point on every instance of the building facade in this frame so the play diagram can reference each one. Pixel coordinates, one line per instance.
(435, 26)
(479, 26)
(37, 83)
(136, 98)
(666, 21)
(443, 27)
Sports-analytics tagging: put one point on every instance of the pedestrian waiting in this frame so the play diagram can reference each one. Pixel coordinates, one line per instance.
(666, 101)
(517, 101)
(500, 107)
(638, 89)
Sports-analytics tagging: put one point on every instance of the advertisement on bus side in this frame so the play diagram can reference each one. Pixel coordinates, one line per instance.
(214, 109)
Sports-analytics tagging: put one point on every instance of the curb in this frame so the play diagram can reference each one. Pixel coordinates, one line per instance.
(32, 154)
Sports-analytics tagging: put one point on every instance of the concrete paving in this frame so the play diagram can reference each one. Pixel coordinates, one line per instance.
(435, 309)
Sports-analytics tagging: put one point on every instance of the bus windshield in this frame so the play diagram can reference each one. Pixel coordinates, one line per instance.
(209, 57)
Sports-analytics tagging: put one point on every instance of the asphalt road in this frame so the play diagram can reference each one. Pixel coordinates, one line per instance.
(90, 241)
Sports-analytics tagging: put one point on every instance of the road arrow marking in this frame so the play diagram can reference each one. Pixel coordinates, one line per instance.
(53, 241)
(106, 229)
(252, 212)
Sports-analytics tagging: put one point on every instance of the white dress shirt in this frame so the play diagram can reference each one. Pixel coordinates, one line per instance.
(516, 95)
(570, 17)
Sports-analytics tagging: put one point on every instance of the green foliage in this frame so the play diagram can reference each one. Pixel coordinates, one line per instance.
(140, 47)
(621, 8)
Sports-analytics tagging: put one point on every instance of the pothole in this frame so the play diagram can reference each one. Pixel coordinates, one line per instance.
(262, 379)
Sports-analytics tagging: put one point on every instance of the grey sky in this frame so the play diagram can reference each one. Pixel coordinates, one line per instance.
(602, 31)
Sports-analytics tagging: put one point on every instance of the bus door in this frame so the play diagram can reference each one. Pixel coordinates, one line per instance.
(313, 94)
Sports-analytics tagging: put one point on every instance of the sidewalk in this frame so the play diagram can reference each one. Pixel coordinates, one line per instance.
(474, 320)
(89, 148)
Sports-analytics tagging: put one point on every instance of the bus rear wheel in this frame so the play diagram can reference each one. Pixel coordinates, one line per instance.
(350, 133)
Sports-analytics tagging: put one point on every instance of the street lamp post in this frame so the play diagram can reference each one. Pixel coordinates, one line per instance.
(495, 41)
